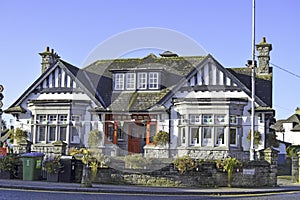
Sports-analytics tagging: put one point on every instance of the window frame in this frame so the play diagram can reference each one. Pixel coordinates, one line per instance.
(50, 133)
(194, 119)
(119, 81)
(217, 136)
(204, 119)
(207, 141)
(153, 81)
(236, 136)
(144, 82)
(192, 139)
(217, 117)
(130, 81)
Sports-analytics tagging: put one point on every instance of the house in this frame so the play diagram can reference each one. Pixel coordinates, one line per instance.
(288, 132)
(205, 107)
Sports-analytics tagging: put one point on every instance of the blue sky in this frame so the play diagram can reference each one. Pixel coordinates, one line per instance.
(74, 28)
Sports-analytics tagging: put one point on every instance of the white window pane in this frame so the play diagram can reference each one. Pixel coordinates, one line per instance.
(194, 119)
(194, 136)
(207, 119)
(142, 81)
(233, 119)
(153, 80)
(130, 81)
(119, 81)
(220, 140)
(63, 133)
(207, 136)
(219, 119)
(41, 133)
(233, 136)
(52, 133)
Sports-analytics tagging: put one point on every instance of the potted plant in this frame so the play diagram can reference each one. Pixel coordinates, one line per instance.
(161, 138)
(8, 166)
(53, 167)
(257, 137)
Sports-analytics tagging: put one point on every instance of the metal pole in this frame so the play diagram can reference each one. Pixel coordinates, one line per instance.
(252, 150)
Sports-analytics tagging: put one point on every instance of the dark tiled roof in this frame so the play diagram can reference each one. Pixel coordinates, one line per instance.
(295, 119)
(173, 69)
(263, 83)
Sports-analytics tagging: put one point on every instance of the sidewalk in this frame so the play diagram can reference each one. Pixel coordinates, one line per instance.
(283, 186)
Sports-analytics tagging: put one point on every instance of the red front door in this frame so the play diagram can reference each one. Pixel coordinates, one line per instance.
(133, 139)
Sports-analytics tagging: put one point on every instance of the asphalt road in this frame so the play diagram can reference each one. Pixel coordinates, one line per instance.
(16, 194)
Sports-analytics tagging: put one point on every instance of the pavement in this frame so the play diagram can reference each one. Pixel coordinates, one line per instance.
(283, 186)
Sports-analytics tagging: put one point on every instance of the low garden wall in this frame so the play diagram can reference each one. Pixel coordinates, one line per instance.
(253, 174)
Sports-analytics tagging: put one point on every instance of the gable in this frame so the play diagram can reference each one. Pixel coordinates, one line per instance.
(209, 75)
(62, 78)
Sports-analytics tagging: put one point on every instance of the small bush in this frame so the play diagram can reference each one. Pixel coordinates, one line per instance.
(184, 164)
(135, 161)
(161, 138)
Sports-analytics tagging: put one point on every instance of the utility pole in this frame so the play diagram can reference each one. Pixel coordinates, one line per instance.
(1, 104)
(252, 150)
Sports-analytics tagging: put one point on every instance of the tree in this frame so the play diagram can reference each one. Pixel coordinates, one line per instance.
(271, 140)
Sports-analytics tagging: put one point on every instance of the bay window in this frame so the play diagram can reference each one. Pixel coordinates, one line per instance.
(51, 130)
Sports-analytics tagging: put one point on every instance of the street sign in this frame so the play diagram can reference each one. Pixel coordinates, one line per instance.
(1, 88)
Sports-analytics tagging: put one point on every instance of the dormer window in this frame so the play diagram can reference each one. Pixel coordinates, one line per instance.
(137, 81)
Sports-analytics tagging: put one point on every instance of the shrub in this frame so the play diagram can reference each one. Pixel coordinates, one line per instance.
(161, 138)
(95, 137)
(135, 161)
(184, 164)
(52, 165)
(8, 163)
(292, 150)
(229, 165)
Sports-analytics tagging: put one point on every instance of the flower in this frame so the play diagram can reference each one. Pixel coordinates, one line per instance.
(52, 165)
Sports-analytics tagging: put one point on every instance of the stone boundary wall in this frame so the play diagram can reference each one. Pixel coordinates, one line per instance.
(253, 174)
(258, 173)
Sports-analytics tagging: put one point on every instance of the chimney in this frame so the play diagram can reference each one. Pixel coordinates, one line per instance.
(263, 49)
(298, 111)
(48, 59)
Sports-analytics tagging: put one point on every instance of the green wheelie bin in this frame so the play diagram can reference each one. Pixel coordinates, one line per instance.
(32, 166)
